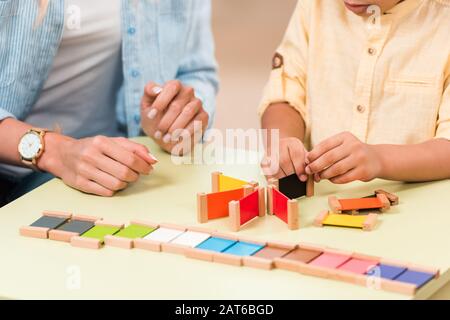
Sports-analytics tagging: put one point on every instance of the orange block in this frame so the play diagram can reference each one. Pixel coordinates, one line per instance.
(356, 204)
(218, 202)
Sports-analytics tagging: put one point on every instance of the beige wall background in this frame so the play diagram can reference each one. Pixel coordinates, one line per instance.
(247, 32)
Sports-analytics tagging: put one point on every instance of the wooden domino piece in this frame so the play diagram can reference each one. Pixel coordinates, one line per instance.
(366, 223)
(204, 255)
(293, 187)
(76, 226)
(381, 202)
(253, 206)
(95, 237)
(48, 221)
(393, 199)
(286, 211)
(220, 182)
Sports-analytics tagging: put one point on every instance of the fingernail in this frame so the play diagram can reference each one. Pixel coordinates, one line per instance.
(158, 135)
(303, 178)
(308, 170)
(153, 157)
(157, 90)
(166, 138)
(152, 114)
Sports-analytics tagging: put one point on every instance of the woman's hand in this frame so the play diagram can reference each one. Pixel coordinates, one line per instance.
(343, 158)
(291, 159)
(169, 113)
(98, 165)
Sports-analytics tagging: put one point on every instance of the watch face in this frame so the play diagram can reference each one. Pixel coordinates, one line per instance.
(29, 146)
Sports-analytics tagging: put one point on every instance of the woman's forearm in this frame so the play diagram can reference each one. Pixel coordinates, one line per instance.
(11, 131)
(420, 162)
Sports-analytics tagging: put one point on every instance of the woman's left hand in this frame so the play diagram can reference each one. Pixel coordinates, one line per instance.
(172, 113)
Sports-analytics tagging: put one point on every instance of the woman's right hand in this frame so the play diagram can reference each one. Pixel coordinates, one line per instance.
(98, 165)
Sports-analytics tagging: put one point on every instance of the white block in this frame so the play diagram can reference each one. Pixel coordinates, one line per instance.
(163, 235)
(191, 238)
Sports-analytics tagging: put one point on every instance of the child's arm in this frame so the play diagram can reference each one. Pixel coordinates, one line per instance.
(283, 105)
(343, 158)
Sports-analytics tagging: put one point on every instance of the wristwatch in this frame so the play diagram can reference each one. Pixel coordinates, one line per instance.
(31, 147)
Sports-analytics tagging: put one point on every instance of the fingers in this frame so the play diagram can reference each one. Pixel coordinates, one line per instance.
(151, 91)
(90, 187)
(327, 159)
(173, 111)
(186, 116)
(122, 155)
(347, 177)
(297, 154)
(138, 149)
(116, 169)
(188, 136)
(104, 179)
(339, 168)
(164, 98)
(324, 147)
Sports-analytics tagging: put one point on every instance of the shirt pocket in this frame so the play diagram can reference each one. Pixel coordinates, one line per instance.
(8, 64)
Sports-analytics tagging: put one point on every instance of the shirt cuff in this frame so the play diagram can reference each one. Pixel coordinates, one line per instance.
(5, 114)
(282, 88)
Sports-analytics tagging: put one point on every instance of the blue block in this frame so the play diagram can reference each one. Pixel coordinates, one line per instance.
(216, 244)
(244, 249)
(386, 271)
(415, 277)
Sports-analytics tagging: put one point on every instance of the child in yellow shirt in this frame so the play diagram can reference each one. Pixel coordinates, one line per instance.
(367, 85)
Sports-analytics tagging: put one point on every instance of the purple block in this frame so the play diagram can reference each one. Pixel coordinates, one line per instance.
(386, 271)
(415, 277)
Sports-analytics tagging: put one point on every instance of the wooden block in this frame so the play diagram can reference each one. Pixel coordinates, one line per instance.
(344, 220)
(349, 277)
(282, 245)
(397, 287)
(310, 246)
(262, 201)
(204, 255)
(86, 218)
(227, 259)
(225, 236)
(58, 214)
(173, 248)
(258, 263)
(393, 199)
(284, 264)
(409, 265)
(215, 181)
(227, 183)
(164, 234)
(250, 239)
(148, 245)
(191, 238)
(34, 232)
(89, 243)
(370, 222)
(293, 221)
(202, 208)
(119, 242)
(248, 189)
(386, 204)
(172, 226)
(145, 223)
(334, 204)
(270, 199)
(109, 224)
(318, 222)
(61, 235)
(315, 271)
(201, 229)
(273, 182)
(310, 186)
(235, 215)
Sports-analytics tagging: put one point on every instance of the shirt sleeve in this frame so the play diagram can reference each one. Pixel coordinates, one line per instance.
(287, 82)
(5, 114)
(443, 123)
(198, 68)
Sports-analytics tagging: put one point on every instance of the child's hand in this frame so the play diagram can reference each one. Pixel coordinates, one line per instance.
(342, 159)
(291, 159)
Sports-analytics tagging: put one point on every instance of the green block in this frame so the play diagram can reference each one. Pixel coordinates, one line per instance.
(134, 231)
(99, 232)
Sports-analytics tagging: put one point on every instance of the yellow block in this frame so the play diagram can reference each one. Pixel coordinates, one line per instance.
(228, 183)
(344, 220)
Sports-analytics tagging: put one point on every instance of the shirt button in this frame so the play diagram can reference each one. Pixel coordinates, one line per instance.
(360, 108)
(135, 73)
(131, 30)
(372, 51)
(137, 118)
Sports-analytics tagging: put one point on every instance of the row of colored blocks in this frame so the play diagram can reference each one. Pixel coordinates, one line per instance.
(208, 245)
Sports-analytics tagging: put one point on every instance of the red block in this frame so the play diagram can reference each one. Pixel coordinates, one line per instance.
(249, 207)
(280, 207)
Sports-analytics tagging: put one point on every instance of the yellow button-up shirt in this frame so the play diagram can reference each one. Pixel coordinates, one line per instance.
(386, 80)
